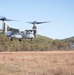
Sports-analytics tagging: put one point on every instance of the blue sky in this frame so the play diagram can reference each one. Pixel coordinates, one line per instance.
(59, 12)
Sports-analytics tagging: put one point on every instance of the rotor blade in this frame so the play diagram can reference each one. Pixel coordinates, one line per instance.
(11, 20)
(30, 22)
(5, 19)
(43, 22)
(2, 18)
(35, 22)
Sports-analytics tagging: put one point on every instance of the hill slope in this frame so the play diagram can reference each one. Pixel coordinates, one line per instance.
(40, 43)
(70, 40)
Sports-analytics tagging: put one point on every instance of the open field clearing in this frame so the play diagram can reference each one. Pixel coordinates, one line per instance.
(37, 63)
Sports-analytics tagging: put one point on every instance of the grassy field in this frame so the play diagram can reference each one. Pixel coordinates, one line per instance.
(37, 63)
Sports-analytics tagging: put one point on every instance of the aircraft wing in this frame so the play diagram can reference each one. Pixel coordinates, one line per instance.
(30, 30)
(13, 29)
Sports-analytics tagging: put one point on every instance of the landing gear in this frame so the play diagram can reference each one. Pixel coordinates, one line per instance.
(20, 40)
(31, 39)
(11, 39)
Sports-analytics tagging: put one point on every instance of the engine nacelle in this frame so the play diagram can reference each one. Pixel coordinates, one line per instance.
(35, 27)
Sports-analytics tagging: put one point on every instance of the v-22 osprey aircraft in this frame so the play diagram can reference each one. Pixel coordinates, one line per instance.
(13, 33)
